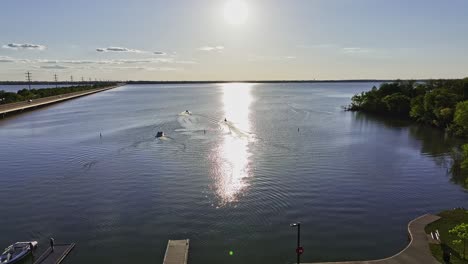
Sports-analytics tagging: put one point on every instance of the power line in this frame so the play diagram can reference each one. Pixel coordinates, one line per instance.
(56, 80)
(28, 78)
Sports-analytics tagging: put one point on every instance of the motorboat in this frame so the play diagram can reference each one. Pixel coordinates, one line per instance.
(17, 252)
(188, 112)
(160, 134)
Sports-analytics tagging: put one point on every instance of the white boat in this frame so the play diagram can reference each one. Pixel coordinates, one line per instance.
(17, 252)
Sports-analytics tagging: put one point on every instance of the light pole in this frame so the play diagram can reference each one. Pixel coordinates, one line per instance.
(299, 249)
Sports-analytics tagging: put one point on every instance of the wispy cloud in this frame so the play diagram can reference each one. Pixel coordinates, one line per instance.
(10, 59)
(212, 48)
(316, 46)
(118, 49)
(140, 68)
(6, 59)
(18, 46)
(356, 50)
(90, 64)
(159, 53)
(271, 58)
(54, 67)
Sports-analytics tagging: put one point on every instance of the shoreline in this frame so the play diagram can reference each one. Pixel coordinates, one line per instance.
(417, 251)
(16, 108)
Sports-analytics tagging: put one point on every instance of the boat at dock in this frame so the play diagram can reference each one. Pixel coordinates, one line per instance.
(17, 252)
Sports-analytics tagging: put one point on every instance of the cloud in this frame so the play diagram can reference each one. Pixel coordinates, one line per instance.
(356, 50)
(214, 48)
(316, 46)
(54, 67)
(6, 59)
(142, 68)
(159, 53)
(17, 46)
(186, 62)
(118, 49)
(10, 59)
(271, 58)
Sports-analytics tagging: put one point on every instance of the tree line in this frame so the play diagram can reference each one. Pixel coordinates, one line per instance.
(26, 94)
(439, 103)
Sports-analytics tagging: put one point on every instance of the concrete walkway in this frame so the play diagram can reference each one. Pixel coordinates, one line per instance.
(416, 252)
(21, 106)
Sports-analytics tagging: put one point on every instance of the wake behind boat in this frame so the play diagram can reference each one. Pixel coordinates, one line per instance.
(17, 252)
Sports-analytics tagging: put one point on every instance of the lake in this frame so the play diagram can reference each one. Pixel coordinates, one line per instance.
(286, 152)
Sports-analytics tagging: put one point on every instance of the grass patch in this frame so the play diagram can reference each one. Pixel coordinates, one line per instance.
(449, 219)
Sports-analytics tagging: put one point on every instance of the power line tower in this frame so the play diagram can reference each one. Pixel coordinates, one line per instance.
(56, 80)
(28, 78)
(71, 78)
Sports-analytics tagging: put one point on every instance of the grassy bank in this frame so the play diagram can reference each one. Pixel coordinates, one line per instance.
(26, 94)
(448, 221)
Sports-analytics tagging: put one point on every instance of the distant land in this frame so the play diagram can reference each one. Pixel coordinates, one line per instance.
(188, 82)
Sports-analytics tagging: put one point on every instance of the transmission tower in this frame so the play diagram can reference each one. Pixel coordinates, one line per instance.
(28, 79)
(56, 80)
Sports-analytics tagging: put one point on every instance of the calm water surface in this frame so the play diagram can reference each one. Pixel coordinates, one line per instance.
(286, 153)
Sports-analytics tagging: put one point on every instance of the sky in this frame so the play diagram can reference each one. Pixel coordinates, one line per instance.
(233, 39)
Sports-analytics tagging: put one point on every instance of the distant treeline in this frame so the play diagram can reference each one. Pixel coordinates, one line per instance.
(53, 83)
(26, 94)
(439, 103)
(258, 81)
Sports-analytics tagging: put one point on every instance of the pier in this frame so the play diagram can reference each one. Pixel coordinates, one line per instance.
(56, 256)
(12, 108)
(176, 252)
(416, 252)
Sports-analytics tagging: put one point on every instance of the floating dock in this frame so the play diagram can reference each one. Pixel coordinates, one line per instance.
(176, 252)
(416, 252)
(60, 252)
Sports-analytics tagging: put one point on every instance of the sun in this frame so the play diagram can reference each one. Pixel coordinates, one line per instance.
(236, 12)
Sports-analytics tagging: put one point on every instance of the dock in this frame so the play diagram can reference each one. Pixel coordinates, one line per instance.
(24, 106)
(417, 250)
(60, 252)
(176, 252)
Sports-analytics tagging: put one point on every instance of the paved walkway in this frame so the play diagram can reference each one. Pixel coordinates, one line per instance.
(416, 252)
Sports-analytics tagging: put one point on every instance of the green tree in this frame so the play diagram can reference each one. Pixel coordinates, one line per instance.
(461, 231)
(461, 115)
(397, 104)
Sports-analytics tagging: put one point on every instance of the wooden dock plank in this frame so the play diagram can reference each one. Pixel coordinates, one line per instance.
(60, 252)
(176, 252)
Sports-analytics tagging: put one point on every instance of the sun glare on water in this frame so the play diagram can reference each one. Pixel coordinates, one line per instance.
(236, 12)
